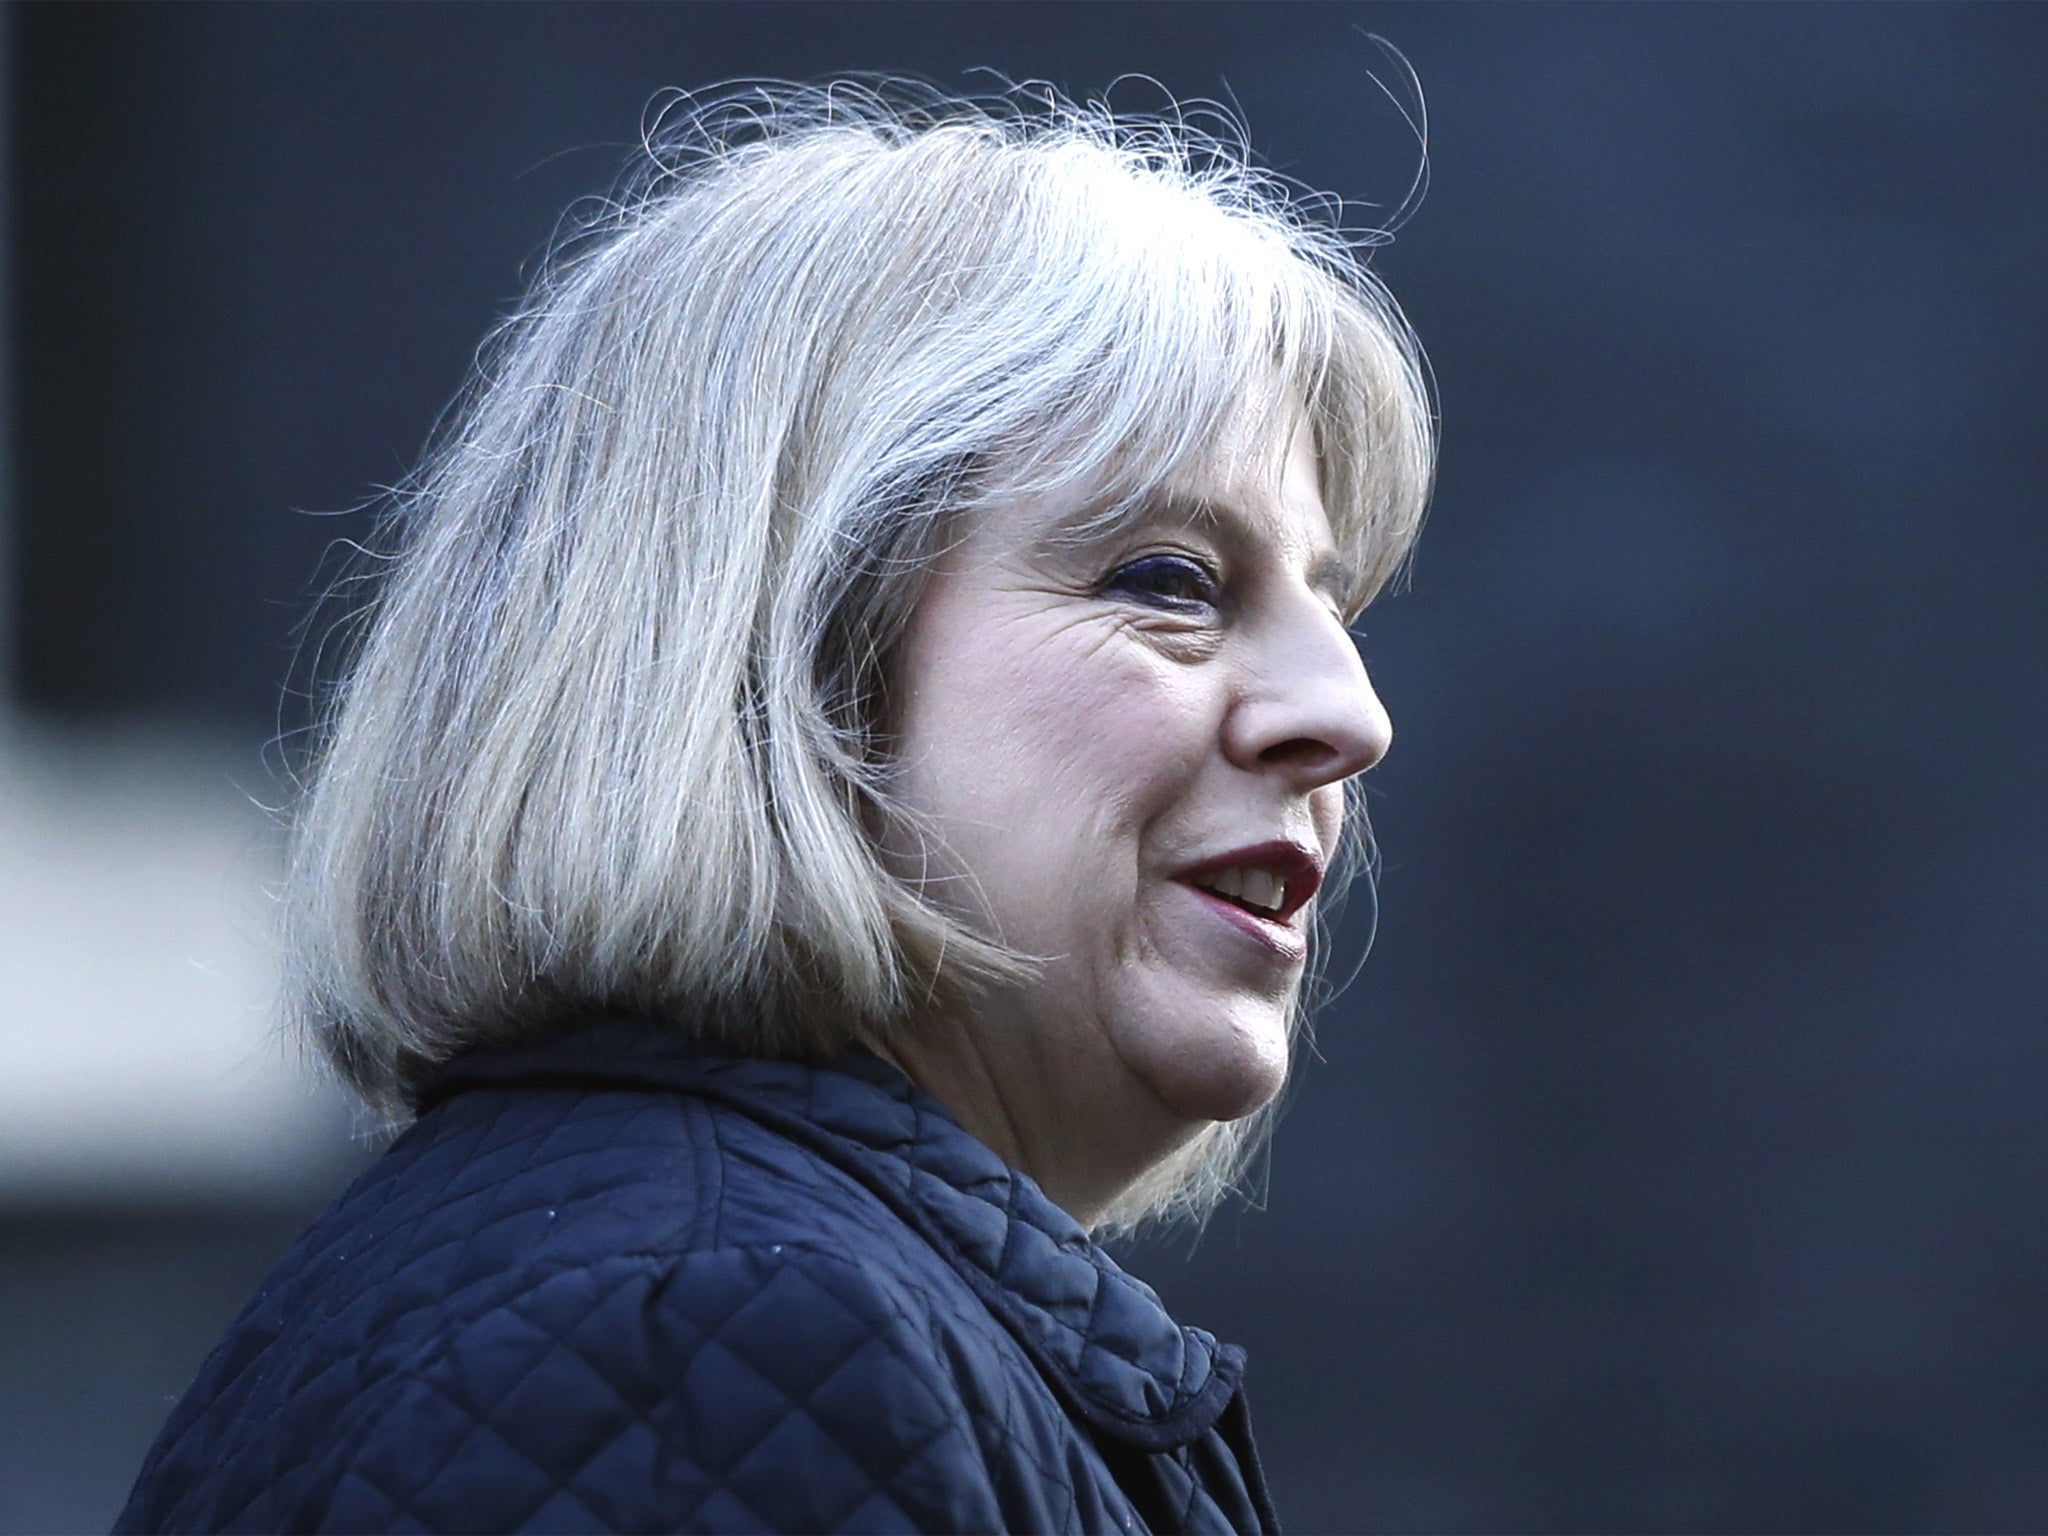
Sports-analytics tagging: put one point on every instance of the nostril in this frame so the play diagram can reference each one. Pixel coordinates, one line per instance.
(1301, 752)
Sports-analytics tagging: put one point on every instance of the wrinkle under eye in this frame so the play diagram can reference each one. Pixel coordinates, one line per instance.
(1165, 581)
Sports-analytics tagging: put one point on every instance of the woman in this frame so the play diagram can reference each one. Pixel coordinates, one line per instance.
(827, 815)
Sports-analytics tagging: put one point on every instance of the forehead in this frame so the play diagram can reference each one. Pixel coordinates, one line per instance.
(1262, 473)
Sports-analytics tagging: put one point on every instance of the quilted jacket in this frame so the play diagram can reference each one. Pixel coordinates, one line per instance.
(610, 1283)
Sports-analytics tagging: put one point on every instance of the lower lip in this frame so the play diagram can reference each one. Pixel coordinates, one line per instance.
(1286, 942)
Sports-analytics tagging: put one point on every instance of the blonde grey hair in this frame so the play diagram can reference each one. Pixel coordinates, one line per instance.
(616, 735)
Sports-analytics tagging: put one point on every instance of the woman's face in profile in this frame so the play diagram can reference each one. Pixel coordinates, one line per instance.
(1130, 755)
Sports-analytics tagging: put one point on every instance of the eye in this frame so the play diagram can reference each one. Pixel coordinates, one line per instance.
(1165, 581)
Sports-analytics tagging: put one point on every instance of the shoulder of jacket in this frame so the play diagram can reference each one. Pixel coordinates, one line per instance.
(776, 1386)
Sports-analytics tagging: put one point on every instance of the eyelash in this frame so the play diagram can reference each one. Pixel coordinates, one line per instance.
(1130, 581)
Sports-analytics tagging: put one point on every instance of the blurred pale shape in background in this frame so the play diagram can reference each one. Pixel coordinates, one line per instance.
(139, 1053)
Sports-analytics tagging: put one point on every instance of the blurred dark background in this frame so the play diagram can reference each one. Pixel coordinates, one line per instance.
(1678, 1162)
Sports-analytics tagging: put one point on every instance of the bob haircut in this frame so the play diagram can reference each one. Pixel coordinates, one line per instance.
(615, 738)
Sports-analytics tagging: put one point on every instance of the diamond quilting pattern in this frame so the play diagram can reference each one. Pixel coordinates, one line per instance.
(611, 1284)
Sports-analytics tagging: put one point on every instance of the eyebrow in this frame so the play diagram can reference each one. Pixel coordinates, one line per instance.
(1337, 577)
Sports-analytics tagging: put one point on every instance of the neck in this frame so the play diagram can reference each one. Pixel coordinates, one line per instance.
(1084, 1142)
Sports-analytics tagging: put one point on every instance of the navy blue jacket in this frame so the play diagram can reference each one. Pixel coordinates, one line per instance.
(610, 1283)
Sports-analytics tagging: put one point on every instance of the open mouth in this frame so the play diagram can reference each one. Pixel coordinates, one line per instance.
(1269, 881)
(1258, 891)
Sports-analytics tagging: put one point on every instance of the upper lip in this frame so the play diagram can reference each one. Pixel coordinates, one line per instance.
(1298, 868)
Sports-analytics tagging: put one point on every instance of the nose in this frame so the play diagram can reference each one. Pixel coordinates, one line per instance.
(1308, 711)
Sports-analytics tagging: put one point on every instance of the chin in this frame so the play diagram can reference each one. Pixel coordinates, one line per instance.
(1224, 1073)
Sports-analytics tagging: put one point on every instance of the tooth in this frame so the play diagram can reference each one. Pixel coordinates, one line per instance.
(1263, 888)
(1230, 882)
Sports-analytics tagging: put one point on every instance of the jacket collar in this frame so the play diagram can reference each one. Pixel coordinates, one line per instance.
(1099, 1336)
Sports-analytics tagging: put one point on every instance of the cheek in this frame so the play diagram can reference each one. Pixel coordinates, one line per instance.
(1041, 760)
(1020, 732)
(1327, 806)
